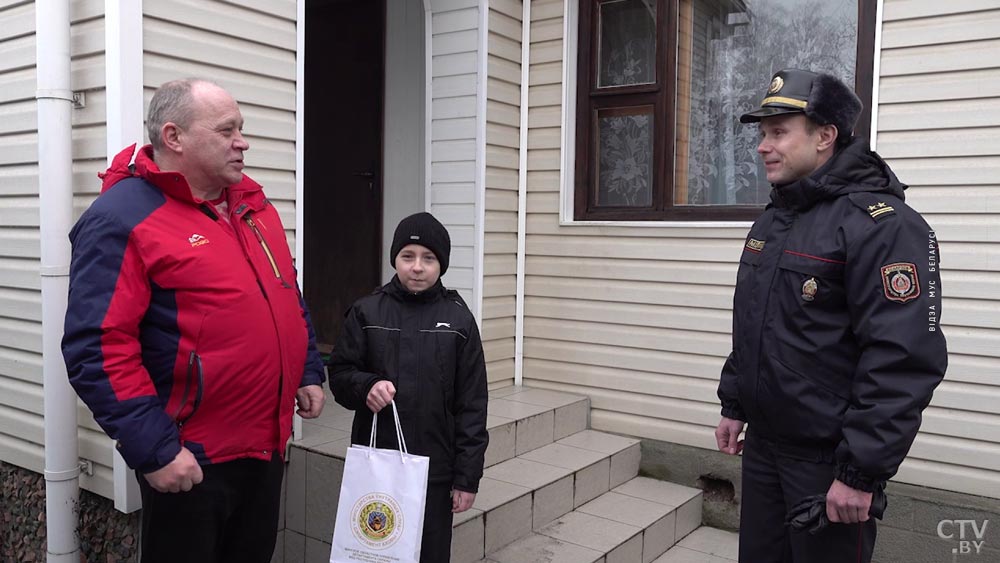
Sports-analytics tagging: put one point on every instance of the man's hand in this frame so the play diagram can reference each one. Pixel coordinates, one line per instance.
(847, 505)
(380, 395)
(727, 436)
(179, 475)
(461, 501)
(311, 400)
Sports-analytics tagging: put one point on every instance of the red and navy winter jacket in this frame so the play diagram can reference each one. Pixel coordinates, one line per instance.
(181, 327)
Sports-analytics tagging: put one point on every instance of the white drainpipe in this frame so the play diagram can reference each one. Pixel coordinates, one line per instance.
(55, 197)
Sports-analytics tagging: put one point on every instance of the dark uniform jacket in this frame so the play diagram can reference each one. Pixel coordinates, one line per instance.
(428, 346)
(837, 345)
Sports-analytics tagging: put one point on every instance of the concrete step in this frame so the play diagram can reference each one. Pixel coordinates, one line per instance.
(552, 490)
(521, 419)
(532, 490)
(635, 522)
(704, 545)
(520, 422)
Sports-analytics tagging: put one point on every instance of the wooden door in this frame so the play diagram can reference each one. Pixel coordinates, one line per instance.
(343, 157)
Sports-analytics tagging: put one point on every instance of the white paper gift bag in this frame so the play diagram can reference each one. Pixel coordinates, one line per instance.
(380, 516)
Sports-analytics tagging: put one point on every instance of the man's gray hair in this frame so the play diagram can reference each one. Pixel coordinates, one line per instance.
(172, 103)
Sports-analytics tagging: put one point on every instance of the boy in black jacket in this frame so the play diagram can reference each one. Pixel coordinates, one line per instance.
(417, 343)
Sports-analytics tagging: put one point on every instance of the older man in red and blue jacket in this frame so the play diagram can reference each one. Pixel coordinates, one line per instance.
(186, 333)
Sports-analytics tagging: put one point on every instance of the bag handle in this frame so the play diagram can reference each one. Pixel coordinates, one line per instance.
(399, 431)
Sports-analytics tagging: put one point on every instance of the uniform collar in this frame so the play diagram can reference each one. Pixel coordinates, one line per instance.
(853, 168)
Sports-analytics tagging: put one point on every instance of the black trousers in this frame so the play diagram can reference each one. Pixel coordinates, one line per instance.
(435, 544)
(774, 480)
(231, 516)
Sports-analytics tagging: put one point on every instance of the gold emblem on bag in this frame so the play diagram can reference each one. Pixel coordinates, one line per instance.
(809, 289)
(378, 520)
(776, 85)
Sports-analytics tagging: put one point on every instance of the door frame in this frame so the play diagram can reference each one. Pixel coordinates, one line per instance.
(300, 117)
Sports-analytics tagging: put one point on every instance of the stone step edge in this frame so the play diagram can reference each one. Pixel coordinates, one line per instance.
(622, 465)
(528, 508)
(511, 436)
(648, 541)
(705, 543)
(505, 444)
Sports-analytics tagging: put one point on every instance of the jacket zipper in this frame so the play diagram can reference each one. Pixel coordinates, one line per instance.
(267, 250)
(277, 274)
(194, 362)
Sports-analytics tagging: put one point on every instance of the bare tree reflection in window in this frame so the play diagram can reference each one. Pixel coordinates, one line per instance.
(627, 43)
(736, 46)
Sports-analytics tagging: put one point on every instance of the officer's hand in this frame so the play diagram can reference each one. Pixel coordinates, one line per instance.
(727, 436)
(380, 395)
(461, 501)
(847, 505)
(310, 399)
(181, 474)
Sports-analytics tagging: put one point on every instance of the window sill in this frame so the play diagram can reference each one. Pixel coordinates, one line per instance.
(657, 224)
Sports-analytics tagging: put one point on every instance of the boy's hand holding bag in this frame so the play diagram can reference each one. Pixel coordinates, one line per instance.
(380, 516)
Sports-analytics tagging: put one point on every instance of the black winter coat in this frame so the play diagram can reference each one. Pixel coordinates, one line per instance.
(428, 346)
(837, 343)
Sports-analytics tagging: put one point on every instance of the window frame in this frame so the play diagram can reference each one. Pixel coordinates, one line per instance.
(662, 96)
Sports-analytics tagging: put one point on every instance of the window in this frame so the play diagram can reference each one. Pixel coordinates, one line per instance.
(661, 86)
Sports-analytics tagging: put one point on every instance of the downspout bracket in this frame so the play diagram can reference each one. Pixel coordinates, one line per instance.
(59, 476)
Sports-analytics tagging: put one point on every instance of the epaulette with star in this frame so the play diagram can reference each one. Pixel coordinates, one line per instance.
(872, 204)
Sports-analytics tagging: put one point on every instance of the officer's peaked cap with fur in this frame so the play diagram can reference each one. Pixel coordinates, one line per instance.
(823, 98)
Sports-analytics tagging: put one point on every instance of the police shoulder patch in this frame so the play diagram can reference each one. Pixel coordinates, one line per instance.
(899, 280)
(876, 207)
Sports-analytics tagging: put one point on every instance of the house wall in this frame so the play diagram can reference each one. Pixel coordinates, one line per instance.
(404, 151)
(21, 397)
(939, 129)
(454, 168)
(503, 130)
(639, 318)
(182, 38)
(247, 47)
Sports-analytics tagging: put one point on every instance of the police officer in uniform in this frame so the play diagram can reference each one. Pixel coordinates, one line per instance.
(836, 342)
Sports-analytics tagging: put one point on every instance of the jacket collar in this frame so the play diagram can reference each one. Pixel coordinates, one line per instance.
(246, 195)
(395, 288)
(853, 168)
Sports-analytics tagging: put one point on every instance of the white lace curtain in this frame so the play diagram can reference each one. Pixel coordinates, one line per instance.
(736, 48)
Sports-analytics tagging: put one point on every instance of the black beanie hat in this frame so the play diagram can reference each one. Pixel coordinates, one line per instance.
(423, 229)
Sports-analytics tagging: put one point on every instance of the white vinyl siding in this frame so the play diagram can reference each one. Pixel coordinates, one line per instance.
(22, 428)
(503, 119)
(639, 318)
(454, 69)
(189, 38)
(182, 38)
(939, 129)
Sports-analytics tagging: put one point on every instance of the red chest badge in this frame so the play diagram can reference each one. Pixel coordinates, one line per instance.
(900, 281)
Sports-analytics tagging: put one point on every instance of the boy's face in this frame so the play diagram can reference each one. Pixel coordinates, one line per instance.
(417, 267)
